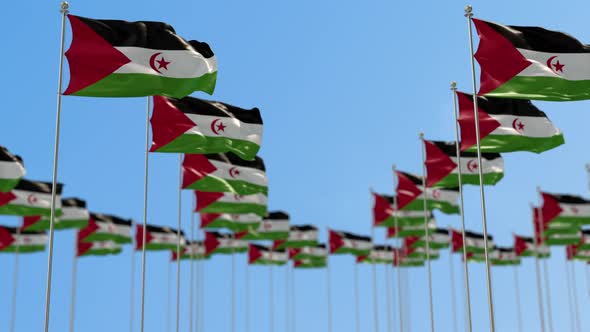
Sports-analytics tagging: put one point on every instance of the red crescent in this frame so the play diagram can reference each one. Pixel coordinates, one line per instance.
(231, 172)
(153, 60)
(470, 165)
(31, 199)
(549, 63)
(213, 126)
(514, 124)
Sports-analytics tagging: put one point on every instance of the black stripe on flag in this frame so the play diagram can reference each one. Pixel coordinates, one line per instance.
(354, 237)
(569, 199)
(418, 180)
(276, 215)
(73, 202)
(539, 39)
(198, 106)
(450, 150)
(505, 249)
(15, 231)
(443, 231)
(303, 228)
(5, 155)
(381, 247)
(473, 235)
(38, 186)
(233, 159)
(222, 236)
(505, 106)
(163, 230)
(100, 217)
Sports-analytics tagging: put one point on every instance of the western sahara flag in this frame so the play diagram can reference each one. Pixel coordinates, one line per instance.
(299, 236)
(261, 255)
(104, 227)
(412, 230)
(531, 63)
(12, 170)
(158, 238)
(401, 259)
(99, 248)
(109, 58)
(273, 227)
(474, 242)
(224, 172)
(380, 254)
(191, 250)
(411, 191)
(442, 168)
(565, 209)
(506, 125)
(438, 239)
(562, 239)
(420, 253)
(310, 263)
(219, 243)
(197, 126)
(234, 222)
(574, 252)
(231, 203)
(385, 215)
(525, 247)
(318, 252)
(30, 198)
(12, 238)
(74, 215)
(585, 241)
(349, 243)
(504, 256)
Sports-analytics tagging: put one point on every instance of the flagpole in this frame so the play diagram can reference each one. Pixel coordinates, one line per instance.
(387, 297)
(575, 293)
(469, 15)
(145, 210)
(193, 247)
(426, 235)
(271, 298)
(453, 297)
(132, 281)
(357, 323)
(178, 238)
(287, 303)
(15, 282)
(74, 279)
(408, 299)
(537, 269)
(293, 301)
(399, 278)
(64, 9)
(465, 265)
(168, 300)
(202, 291)
(517, 296)
(375, 296)
(329, 295)
(233, 285)
(569, 296)
(545, 273)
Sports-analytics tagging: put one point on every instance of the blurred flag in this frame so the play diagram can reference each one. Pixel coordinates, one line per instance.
(349, 243)
(12, 170)
(30, 198)
(261, 255)
(380, 254)
(231, 203)
(299, 236)
(273, 227)
(12, 238)
(158, 238)
(234, 222)
(410, 192)
(219, 243)
(104, 227)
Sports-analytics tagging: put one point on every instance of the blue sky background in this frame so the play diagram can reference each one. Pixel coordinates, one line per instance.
(344, 88)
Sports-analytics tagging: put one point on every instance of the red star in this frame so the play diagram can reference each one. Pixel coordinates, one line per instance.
(558, 66)
(237, 172)
(162, 63)
(221, 127)
(520, 126)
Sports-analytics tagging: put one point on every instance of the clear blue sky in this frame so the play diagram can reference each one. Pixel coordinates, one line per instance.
(344, 88)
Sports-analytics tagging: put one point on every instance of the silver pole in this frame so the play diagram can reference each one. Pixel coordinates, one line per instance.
(271, 299)
(329, 296)
(548, 292)
(387, 297)
(169, 297)
(356, 300)
(64, 9)
(145, 214)
(538, 273)
(192, 267)
(202, 293)
(74, 280)
(294, 302)
(465, 265)
(469, 15)
(233, 288)
(132, 282)
(575, 293)
(375, 296)
(569, 296)
(426, 236)
(453, 297)
(517, 295)
(408, 299)
(14, 283)
(588, 278)
(287, 301)
(178, 253)
(399, 278)
(247, 297)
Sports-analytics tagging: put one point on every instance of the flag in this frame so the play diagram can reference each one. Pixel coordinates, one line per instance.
(111, 58)
(410, 192)
(231, 203)
(380, 254)
(261, 255)
(401, 259)
(438, 239)
(318, 252)
(474, 242)
(275, 226)
(506, 125)
(565, 209)
(531, 63)
(30, 198)
(12, 170)
(525, 247)
(234, 222)
(442, 169)
(504, 256)
(349, 243)
(224, 172)
(192, 125)
(219, 243)
(412, 230)
(418, 251)
(158, 238)
(385, 215)
(74, 214)
(585, 241)
(104, 227)
(99, 248)
(12, 238)
(299, 236)
(562, 239)
(310, 263)
(191, 250)
(573, 252)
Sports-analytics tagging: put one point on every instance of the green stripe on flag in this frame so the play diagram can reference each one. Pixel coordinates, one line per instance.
(543, 88)
(102, 237)
(19, 210)
(265, 236)
(452, 180)
(24, 249)
(199, 144)
(511, 143)
(235, 208)
(218, 185)
(7, 185)
(446, 208)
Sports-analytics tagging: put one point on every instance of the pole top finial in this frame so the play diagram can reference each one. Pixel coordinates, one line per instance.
(64, 7)
(453, 85)
(421, 135)
(468, 11)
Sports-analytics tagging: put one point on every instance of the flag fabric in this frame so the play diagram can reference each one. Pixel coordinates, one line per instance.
(562, 239)
(30, 198)
(99, 248)
(442, 168)
(318, 252)
(531, 63)
(13, 239)
(310, 263)
(380, 254)
(525, 247)
(585, 240)
(412, 230)
(197, 126)
(111, 58)
(506, 125)
(74, 215)
(401, 259)
(219, 243)
(191, 250)
(438, 239)
(234, 222)
(261, 255)
(573, 252)
(231, 203)
(349, 243)
(421, 253)
(158, 238)
(299, 236)
(565, 209)
(411, 193)
(273, 227)
(474, 242)
(12, 170)
(224, 172)
(504, 256)
(385, 215)
(104, 227)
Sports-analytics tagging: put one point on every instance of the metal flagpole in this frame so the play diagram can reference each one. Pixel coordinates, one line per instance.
(575, 293)
(329, 295)
(64, 11)
(271, 298)
(193, 247)
(145, 209)
(14, 282)
(407, 298)
(469, 15)
(74, 279)
(356, 299)
(375, 296)
(178, 252)
(293, 301)
(465, 265)
(545, 273)
(202, 293)
(399, 278)
(453, 296)
(427, 235)
(132, 281)
(233, 285)
(569, 296)
(287, 301)
(247, 297)
(517, 295)
(168, 300)
(537, 269)
(387, 297)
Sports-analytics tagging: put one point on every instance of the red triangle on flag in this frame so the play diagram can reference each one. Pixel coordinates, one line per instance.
(167, 122)
(139, 237)
(487, 124)
(194, 168)
(6, 198)
(407, 191)
(205, 199)
(438, 164)
(253, 254)
(6, 238)
(211, 243)
(382, 210)
(208, 218)
(335, 241)
(29, 221)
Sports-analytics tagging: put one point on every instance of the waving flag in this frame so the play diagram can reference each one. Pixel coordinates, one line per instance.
(504, 256)
(104, 227)
(224, 172)
(261, 255)
(299, 236)
(109, 58)
(219, 243)
(318, 252)
(438, 239)
(573, 252)
(275, 226)
(234, 222)
(158, 238)
(191, 250)
(474, 242)
(30, 198)
(191, 125)
(525, 247)
(531, 63)
(385, 215)
(349, 243)
(412, 230)
(12, 239)
(99, 248)
(585, 241)
(74, 214)
(410, 192)
(506, 125)
(231, 203)
(12, 170)
(419, 252)
(310, 263)
(562, 239)
(380, 254)
(565, 209)
(442, 168)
